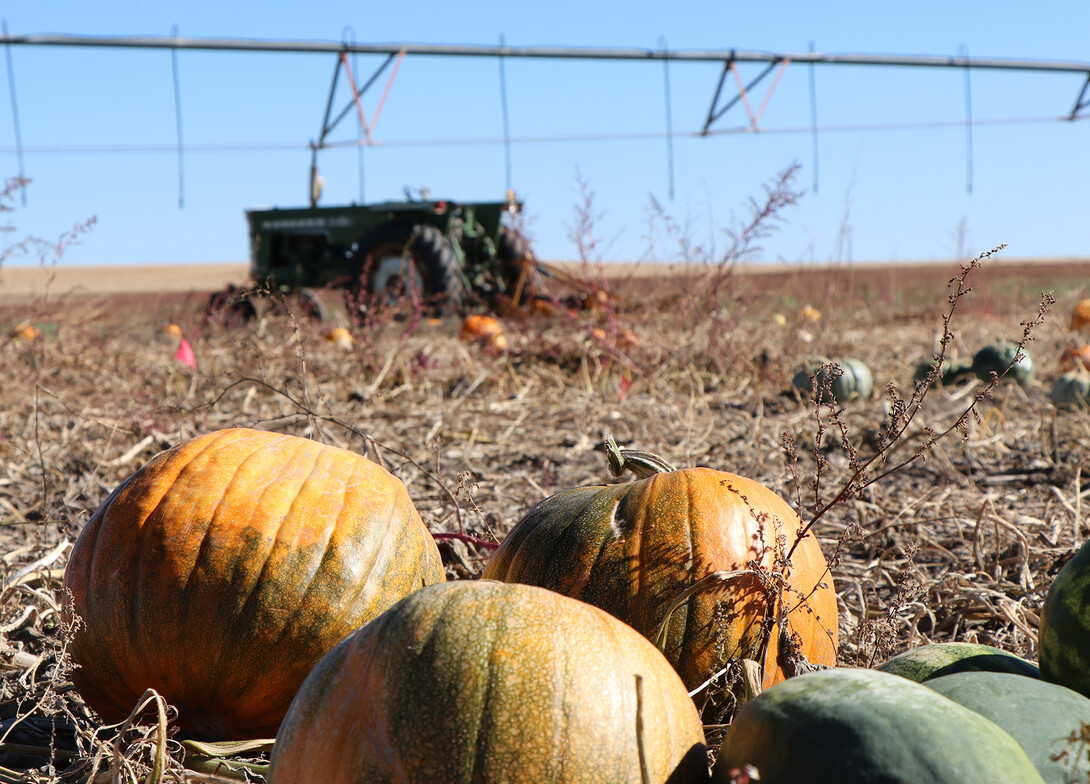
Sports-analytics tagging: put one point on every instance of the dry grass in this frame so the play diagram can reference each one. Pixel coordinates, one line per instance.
(958, 545)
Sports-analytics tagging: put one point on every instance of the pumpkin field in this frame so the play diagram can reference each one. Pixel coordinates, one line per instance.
(936, 507)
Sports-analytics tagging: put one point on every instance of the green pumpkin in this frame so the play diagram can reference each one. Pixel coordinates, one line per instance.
(855, 380)
(951, 371)
(856, 726)
(947, 658)
(1041, 716)
(1063, 639)
(997, 357)
(480, 681)
(1071, 390)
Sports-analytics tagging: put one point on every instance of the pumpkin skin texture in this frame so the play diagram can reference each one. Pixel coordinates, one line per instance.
(854, 726)
(224, 569)
(939, 659)
(632, 548)
(1041, 716)
(478, 681)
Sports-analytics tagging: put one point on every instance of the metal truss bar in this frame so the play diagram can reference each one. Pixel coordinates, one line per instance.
(1082, 101)
(342, 61)
(386, 92)
(742, 91)
(355, 95)
(326, 127)
(715, 98)
(771, 89)
(586, 53)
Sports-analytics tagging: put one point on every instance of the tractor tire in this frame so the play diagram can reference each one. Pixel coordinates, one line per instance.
(401, 261)
(311, 306)
(231, 308)
(513, 251)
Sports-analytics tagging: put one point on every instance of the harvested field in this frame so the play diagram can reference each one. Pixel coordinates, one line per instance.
(960, 543)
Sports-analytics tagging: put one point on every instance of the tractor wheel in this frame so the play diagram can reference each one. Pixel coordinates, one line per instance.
(311, 306)
(400, 261)
(513, 252)
(232, 307)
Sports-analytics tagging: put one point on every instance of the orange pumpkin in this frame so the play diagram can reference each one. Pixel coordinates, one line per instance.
(340, 337)
(1075, 358)
(644, 550)
(484, 330)
(481, 681)
(1080, 316)
(625, 338)
(224, 569)
(27, 331)
(477, 327)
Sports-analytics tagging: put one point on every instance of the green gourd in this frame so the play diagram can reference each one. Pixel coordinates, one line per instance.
(1071, 390)
(854, 381)
(997, 357)
(946, 658)
(1041, 716)
(857, 726)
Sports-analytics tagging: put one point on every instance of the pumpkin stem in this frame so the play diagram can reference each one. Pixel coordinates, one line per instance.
(642, 464)
(751, 680)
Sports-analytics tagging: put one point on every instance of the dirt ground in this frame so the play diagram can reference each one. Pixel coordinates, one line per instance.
(36, 281)
(22, 282)
(953, 540)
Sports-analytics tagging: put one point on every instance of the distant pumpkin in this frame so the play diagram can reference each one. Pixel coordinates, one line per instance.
(1080, 316)
(1075, 358)
(625, 338)
(340, 337)
(483, 330)
(27, 331)
(811, 314)
(477, 327)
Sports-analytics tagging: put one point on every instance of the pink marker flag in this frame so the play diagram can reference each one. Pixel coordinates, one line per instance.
(184, 354)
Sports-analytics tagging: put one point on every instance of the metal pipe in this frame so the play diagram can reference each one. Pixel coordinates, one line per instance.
(585, 53)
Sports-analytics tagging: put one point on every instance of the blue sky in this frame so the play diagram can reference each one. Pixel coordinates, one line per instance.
(894, 193)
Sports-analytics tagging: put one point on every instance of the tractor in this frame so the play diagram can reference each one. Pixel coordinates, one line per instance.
(438, 255)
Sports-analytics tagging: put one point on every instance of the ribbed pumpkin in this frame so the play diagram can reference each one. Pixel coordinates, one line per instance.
(1075, 357)
(997, 357)
(1071, 390)
(1080, 316)
(951, 371)
(477, 681)
(855, 381)
(634, 549)
(224, 569)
